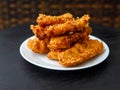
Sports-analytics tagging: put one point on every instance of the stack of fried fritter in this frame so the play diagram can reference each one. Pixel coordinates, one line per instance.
(64, 38)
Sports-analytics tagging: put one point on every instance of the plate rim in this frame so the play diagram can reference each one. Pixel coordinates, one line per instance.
(64, 68)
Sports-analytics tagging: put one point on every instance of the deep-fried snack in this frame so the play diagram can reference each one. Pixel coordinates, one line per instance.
(69, 26)
(64, 38)
(60, 28)
(53, 55)
(81, 36)
(60, 42)
(45, 20)
(38, 46)
(88, 30)
(66, 41)
(38, 31)
(80, 53)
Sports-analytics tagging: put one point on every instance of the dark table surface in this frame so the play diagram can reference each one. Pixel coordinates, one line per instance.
(17, 74)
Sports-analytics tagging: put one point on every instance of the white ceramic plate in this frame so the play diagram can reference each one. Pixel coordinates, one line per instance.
(41, 60)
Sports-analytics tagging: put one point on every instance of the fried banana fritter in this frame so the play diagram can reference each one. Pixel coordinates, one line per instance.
(53, 55)
(66, 41)
(64, 38)
(38, 31)
(69, 26)
(59, 25)
(62, 42)
(45, 20)
(38, 46)
(80, 53)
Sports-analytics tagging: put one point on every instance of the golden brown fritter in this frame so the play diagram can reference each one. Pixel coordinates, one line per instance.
(66, 41)
(80, 53)
(45, 20)
(38, 46)
(38, 31)
(64, 38)
(60, 42)
(69, 26)
(53, 55)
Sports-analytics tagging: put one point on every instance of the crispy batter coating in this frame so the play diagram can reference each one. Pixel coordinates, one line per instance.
(45, 20)
(55, 50)
(53, 55)
(64, 38)
(60, 42)
(66, 41)
(38, 46)
(80, 53)
(38, 31)
(59, 29)
(68, 26)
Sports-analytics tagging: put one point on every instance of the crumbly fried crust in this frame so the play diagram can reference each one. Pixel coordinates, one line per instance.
(66, 41)
(38, 31)
(38, 46)
(80, 53)
(45, 20)
(64, 38)
(53, 55)
(69, 26)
